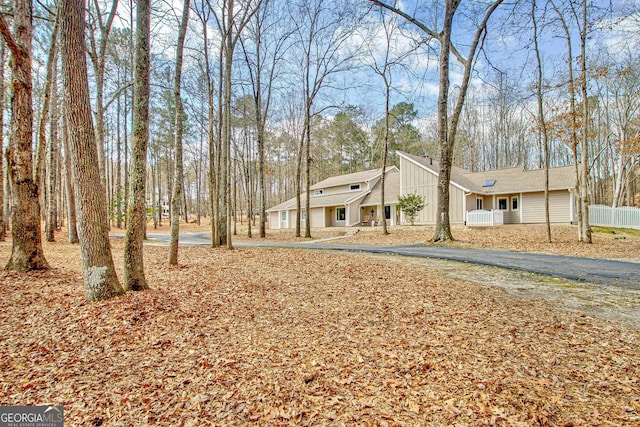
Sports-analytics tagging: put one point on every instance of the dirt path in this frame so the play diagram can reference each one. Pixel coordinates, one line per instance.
(610, 302)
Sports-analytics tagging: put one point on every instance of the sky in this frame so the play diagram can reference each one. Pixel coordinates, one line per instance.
(507, 51)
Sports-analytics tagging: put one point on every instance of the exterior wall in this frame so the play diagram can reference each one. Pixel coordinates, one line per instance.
(343, 188)
(415, 179)
(328, 217)
(559, 207)
(509, 216)
(395, 213)
(317, 217)
(353, 214)
(274, 220)
(334, 217)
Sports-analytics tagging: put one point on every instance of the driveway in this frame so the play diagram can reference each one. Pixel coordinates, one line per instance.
(600, 271)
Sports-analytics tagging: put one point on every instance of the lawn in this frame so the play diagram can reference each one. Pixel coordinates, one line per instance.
(279, 337)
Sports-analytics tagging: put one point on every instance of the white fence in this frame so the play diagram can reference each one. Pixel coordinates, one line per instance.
(623, 217)
(484, 218)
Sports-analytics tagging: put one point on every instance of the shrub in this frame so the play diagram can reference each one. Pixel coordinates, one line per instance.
(411, 205)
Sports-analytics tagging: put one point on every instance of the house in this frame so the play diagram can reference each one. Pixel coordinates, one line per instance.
(516, 194)
(344, 200)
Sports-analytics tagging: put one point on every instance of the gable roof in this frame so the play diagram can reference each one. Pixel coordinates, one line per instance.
(350, 178)
(509, 180)
(341, 198)
(391, 190)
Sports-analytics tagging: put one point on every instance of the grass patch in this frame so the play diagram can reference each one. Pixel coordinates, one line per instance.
(617, 231)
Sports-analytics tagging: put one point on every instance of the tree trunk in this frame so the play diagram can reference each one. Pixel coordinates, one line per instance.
(46, 103)
(176, 200)
(443, 227)
(226, 128)
(2, 179)
(584, 167)
(542, 120)
(307, 204)
(134, 278)
(99, 273)
(26, 251)
(298, 182)
(213, 184)
(97, 55)
(52, 164)
(72, 222)
(385, 149)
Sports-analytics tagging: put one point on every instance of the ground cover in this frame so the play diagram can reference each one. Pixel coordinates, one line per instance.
(289, 337)
(621, 244)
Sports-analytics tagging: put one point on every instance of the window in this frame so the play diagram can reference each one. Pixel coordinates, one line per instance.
(514, 203)
(489, 183)
(503, 204)
(318, 192)
(303, 214)
(387, 212)
(340, 214)
(283, 216)
(479, 204)
(354, 187)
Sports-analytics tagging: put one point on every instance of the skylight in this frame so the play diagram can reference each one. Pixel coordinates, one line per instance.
(489, 183)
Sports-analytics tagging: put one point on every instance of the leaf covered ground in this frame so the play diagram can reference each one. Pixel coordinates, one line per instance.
(279, 337)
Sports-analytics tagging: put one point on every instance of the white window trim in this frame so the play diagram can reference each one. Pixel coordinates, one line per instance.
(506, 199)
(354, 187)
(283, 216)
(481, 200)
(338, 216)
(318, 192)
(517, 198)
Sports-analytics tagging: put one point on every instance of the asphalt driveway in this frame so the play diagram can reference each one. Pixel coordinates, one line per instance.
(600, 271)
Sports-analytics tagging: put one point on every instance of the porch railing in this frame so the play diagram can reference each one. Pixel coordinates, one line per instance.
(484, 218)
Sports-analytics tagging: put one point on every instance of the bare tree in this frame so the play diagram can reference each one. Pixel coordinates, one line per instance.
(26, 251)
(134, 278)
(52, 164)
(204, 14)
(584, 166)
(447, 127)
(72, 222)
(97, 52)
(269, 38)
(46, 103)
(176, 200)
(98, 269)
(542, 123)
(323, 33)
(383, 69)
(231, 23)
(621, 79)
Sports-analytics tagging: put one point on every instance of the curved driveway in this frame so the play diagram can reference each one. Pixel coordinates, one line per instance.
(607, 272)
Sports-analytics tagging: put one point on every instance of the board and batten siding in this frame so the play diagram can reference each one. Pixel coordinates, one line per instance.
(415, 179)
(559, 207)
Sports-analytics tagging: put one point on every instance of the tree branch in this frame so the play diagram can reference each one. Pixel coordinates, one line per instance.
(6, 34)
(414, 21)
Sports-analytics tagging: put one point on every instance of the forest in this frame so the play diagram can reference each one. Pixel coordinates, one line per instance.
(131, 114)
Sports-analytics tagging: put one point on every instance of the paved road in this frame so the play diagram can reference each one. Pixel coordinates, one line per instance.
(607, 272)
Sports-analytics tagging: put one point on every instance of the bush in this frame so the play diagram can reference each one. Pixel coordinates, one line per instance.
(411, 205)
